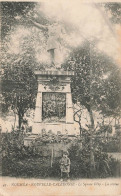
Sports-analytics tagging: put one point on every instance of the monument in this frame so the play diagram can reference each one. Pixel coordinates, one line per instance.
(54, 110)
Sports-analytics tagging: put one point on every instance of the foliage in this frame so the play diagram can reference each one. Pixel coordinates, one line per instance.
(98, 79)
(112, 145)
(13, 146)
(18, 160)
(52, 138)
(18, 82)
(103, 163)
(104, 129)
(12, 10)
(18, 90)
(115, 10)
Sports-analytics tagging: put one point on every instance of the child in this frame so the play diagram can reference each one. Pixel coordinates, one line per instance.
(65, 166)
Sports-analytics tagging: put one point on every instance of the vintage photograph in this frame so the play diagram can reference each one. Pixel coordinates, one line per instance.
(60, 90)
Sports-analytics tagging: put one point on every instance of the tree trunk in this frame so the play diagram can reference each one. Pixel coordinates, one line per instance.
(92, 163)
(80, 127)
(14, 121)
(91, 118)
(80, 131)
(20, 119)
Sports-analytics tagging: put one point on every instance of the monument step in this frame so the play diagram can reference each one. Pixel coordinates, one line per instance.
(29, 139)
(33, 136)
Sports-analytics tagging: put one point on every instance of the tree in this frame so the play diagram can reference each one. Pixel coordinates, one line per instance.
(18, 90)
(18, 82)
(97, 81)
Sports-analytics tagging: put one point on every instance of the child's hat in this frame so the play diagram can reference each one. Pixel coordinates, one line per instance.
(65, 152)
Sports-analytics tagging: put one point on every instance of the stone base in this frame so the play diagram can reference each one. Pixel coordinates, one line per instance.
(29, 139)
(55, 127)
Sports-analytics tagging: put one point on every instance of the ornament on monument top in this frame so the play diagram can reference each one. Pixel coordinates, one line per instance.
(54, 84)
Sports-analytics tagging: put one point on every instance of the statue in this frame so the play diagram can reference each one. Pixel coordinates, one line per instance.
(54, 40)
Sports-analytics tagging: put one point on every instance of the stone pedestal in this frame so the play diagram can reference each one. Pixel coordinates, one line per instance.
(53, 83)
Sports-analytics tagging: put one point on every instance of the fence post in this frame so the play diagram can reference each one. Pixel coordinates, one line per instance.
(52, 155)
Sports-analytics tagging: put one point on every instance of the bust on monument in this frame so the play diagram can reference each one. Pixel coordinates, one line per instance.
(55, 32)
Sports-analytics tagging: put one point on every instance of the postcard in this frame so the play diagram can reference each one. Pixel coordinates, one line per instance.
(60, 98)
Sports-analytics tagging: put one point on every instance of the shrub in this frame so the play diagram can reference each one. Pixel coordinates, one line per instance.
(19, 160)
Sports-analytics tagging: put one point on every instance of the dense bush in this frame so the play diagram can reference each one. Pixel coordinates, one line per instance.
(81, 167)
(113, 145)
(19, 160)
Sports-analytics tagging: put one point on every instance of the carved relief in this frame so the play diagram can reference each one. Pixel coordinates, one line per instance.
(53, 84)
(53, 107)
